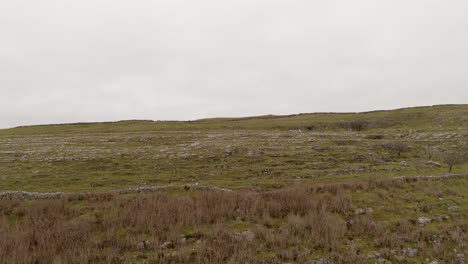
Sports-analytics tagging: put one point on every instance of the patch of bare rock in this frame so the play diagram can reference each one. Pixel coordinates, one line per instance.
(361, 211)
(245, 235)
(422, 221)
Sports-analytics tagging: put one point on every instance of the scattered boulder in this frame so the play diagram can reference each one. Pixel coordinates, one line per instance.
(229, 153)
(305, 253)
(183, 241)
(359, 211)
(384, 260)
(255, 153)
(166, 245)
(184, 155)
(453, 208)
(374, 255)
(400, 258)
(246, 235)
(195, 144)
(433, 163)
(321, 261)
(143, 245)
(422, 221)
(410, 252)
(173, 254)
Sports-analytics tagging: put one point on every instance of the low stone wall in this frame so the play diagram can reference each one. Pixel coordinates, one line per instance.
(60, 195)
(166, 188)
(148, 189)
(440, 177)
(30, 195)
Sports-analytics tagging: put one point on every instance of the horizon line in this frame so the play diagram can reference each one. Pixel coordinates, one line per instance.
(229, 118)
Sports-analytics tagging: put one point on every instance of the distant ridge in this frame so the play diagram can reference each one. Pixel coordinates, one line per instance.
(325, 113)
(228, 119)
(88, 123)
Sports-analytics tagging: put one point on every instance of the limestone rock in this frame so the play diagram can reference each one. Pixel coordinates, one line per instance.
(255, 153)
(423, 220)
(359, 211)
(166, 245)
(143, 245)
(321, 261)
(433, 163)
(246, 235)
(410, 252)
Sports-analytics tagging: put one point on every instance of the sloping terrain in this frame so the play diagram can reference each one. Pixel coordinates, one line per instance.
(237, 153)
(309, 188)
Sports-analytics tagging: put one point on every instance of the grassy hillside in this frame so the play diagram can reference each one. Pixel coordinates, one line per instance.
(309, 188)
(235, 153)
(420, 118)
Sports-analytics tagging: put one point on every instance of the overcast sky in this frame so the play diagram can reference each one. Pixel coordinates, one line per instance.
(96, 60)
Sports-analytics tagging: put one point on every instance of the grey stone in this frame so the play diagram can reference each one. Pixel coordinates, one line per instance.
(321, 261)
(246, 235)
(359, 211)
(183, 241)
(433, 163)
(423, 220)
(255, 153)
(30, 195)
(249, 235)
(453, 208)
(195, 144)
(384, 260)
(166, 245)
(143, 245)
(374, 255)
(410, 252)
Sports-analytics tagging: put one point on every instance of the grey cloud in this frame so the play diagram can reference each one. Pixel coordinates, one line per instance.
(69, 61)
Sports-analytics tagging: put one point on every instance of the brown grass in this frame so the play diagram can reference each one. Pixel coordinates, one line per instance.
(291, 225)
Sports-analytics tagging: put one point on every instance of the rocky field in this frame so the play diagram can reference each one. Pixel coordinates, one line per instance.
(264, 152)
(310, 188)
